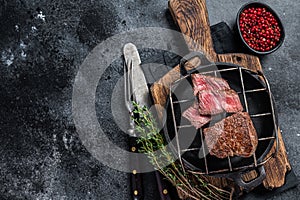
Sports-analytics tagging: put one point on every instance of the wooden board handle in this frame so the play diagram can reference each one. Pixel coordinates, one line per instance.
(192, 19)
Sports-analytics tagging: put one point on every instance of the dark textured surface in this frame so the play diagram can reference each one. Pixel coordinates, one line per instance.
(42, 44)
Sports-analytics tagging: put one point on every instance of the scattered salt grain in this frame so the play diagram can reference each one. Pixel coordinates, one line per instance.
(22, 45)
(41, 16)
(8, 62)
(298, 134)
(270, 68)
(54, 138)
(65, 139)
(23, 54)
(33, 29)
(17, 28)
(7, 57)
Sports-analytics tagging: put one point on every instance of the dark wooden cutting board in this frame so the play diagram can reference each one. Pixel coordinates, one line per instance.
(192, 19)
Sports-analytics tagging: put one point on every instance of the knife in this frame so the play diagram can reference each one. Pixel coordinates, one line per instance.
(140, 92)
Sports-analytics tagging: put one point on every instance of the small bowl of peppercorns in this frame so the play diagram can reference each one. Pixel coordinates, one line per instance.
(259, 28)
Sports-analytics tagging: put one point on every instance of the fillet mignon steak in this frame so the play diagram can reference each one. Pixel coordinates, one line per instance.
(230, 100)
(215, 95)
(209, 104)
(215, 102)
(232, 136)
(193, 115)
(202, 82)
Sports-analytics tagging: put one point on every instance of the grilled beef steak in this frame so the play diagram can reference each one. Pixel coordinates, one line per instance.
(215, 102)
(193, 115)
(232, 136)
(215, 95)
(202, 82)
(209, 104)
(229, 100)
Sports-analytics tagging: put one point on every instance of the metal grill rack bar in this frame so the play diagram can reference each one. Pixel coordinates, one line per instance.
(243, 90)
(244, 95)
(176, 132)
(204, 153)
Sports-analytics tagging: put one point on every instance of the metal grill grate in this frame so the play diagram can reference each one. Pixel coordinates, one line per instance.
(244, 94)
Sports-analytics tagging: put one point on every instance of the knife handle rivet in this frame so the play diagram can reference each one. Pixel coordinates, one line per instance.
(165, 191)
(134, 171)
(133, 149)
(135, 192)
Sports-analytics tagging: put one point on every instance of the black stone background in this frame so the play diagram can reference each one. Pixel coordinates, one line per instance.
(41, 156)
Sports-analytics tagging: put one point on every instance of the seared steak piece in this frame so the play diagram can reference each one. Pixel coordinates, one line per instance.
(193, 115)
(209, 104)
(215, 95)
(215, 102)
(232, 136)
(230, 100)
(202, 82)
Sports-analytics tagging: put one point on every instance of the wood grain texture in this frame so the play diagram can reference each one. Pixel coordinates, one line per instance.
(196, 30)
(277, 167)
(192, 19)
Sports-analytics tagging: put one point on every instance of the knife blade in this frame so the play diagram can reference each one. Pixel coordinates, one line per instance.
(141, 96)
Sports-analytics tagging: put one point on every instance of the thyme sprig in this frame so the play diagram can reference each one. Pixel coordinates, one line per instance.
(151, 141)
